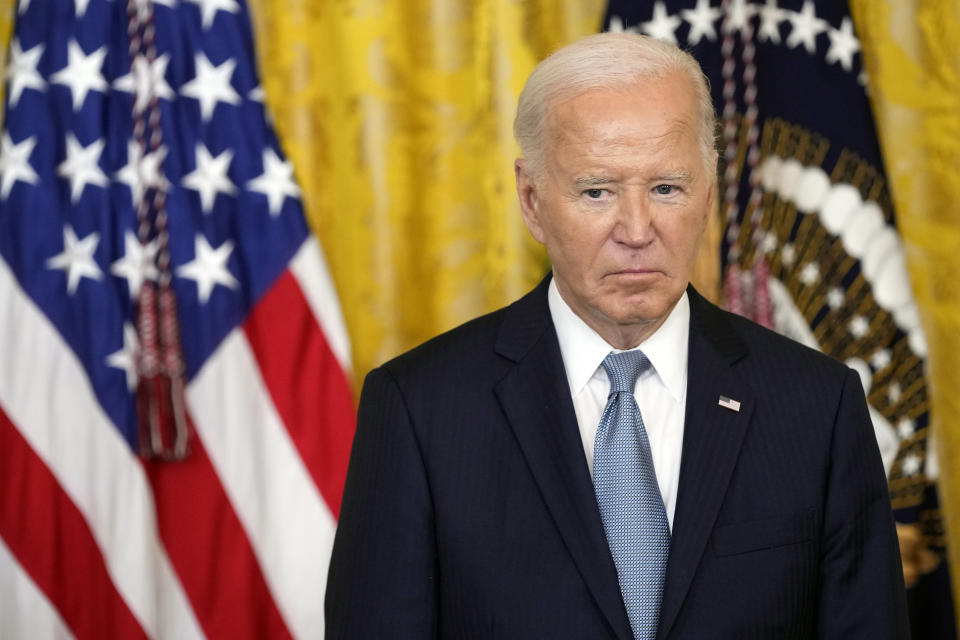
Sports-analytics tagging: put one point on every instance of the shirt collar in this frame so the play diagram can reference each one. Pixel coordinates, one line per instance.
(583, 349)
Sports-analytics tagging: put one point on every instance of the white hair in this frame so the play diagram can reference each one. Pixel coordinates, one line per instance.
(604, 61)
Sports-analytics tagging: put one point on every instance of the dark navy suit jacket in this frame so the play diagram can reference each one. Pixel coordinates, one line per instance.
(469, 511)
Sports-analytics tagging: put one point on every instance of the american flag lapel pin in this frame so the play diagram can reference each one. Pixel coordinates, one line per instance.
(729, 403)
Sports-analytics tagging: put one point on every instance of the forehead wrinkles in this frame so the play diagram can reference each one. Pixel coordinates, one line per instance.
(627, 145)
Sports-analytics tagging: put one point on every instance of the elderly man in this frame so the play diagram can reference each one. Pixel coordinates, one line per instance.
(612, 456)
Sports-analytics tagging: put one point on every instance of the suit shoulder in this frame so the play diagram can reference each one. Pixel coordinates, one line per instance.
(767, 345)
(458, 348)
(781, 346)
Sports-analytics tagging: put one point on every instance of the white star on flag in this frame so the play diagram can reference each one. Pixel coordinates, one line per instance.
(209, 8)
(130, 173)
(810, 274)
(911, 464)
(770, 18)
(276, 182)
(76, 258)
(209, 267)
(81, 7)
(769, 242)
(805, 26)
(843, 45)
(142, 172)
(894, 392)
(701, 19)
(15, 163)
(151, 171)
(22, 7)
(145, 81)
(81, 166)
(662, 25)
(880, 359)
(126, 358)
(22, 70)
(738, 16)
(210, 176)
(788, 254)
(905, 428)
(82, 73)
(859, 326)
(137, 264)
(835, 298)
(211, 85)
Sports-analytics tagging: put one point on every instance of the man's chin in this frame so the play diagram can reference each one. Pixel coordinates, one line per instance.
(625, 314)
(641, 308)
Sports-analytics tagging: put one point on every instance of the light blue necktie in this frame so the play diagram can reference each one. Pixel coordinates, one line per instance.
(629, 498)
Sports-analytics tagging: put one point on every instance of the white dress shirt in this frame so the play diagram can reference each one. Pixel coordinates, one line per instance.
(661, 391)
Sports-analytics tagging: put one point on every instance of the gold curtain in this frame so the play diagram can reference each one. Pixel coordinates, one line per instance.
(398, 118)
(912, 59)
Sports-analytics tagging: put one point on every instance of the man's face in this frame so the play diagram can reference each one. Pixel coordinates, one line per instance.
(621, 203)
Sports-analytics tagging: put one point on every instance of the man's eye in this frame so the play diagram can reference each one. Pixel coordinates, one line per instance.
(594, 193)
(664, 189)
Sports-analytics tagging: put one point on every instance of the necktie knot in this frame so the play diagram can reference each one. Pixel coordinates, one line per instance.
(624, 368)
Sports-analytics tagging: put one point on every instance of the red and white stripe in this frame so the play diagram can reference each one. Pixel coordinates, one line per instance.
(232, 543)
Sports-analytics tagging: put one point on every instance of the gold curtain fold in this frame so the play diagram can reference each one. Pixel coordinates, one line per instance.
(912, 60)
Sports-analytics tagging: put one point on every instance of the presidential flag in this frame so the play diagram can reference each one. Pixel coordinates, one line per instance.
(175, 414)
(811, 245)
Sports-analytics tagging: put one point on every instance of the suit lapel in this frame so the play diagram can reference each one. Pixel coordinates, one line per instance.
(712, 438)
(536, 399)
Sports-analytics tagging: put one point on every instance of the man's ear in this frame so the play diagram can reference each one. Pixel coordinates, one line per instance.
(529, 198)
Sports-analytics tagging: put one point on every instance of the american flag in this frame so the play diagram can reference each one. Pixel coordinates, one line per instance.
(136, 152)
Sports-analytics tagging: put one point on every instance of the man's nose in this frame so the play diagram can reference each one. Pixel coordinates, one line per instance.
(634, 220)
